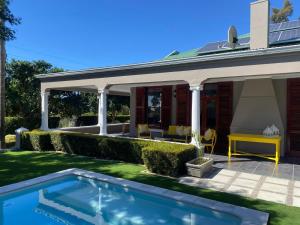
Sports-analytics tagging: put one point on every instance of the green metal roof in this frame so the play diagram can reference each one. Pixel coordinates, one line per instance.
(181, 55)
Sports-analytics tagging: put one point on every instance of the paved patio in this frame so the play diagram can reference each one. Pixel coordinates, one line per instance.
(288, 168)
(253, 178)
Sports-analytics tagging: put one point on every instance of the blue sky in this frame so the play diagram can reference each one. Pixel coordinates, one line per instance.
(78, 34)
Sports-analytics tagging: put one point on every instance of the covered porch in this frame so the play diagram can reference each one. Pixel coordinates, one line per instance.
(229, 92)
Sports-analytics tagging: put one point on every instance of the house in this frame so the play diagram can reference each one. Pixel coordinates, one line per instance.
(243, 84)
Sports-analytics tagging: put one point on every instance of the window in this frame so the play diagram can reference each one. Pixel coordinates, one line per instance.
(154, 108)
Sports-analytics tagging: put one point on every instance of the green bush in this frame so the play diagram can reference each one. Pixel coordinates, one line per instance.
(119, 118)
(37, 141)
(74, 143)
(87, 120)
(159, 157)
(168, 159)
(120, 149)
(13, 123)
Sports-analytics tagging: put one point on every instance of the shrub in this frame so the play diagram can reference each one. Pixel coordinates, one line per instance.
(74, 143)
(87, 120)
(120, 149)
(36, 140)
(159, 157)
(13, 123)
(96, 146)
(168, 159)
(119, 118)
(54, 121)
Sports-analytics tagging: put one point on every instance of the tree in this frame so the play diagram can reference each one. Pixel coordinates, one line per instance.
(66, 104)
(23, 89)
(283, 14)
(115, 105)
(6, 34)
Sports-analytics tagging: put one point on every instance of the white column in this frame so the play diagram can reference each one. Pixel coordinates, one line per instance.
(196, 110)
(44, 114)
(102, 112)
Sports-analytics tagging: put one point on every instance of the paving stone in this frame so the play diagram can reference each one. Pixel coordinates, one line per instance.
(245, 183)
(248, 167)
(296, 192)
(265, 169)
(272, 197)
(227, 172)
(249, 176)
(222, 178)
(212, 185)
(297, 170)
(297, 184)
(233, 166)
(189, 180)
(270, 187)
(296, 201)
(244, 191)
(275, 180)
(296, 177)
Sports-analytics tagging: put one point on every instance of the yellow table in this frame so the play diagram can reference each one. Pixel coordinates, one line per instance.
(254, 138)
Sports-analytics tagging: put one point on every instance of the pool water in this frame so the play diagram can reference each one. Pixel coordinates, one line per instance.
(78, 200)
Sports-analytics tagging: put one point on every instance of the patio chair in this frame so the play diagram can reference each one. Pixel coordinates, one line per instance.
(209, 140)
(178, 133)
(143, 131)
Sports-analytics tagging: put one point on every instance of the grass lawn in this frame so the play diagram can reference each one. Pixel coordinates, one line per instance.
(18, 166)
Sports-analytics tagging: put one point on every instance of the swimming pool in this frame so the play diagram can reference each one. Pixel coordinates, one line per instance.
(82, 197)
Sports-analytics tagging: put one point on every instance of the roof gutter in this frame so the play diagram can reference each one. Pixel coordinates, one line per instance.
(204, 58)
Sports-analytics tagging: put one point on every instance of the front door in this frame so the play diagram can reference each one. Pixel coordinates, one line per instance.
(293, 117)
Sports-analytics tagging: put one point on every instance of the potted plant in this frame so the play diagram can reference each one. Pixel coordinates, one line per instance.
(201, 164)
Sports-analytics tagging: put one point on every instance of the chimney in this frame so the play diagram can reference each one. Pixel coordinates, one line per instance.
(259, 24)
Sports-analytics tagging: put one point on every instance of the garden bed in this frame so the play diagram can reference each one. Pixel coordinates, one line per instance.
(159, 157)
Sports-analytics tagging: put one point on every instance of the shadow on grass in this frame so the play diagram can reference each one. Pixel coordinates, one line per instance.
(18, 166)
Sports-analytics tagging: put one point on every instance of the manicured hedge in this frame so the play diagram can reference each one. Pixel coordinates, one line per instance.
(37, 141)
(167, 159)
(159, 157)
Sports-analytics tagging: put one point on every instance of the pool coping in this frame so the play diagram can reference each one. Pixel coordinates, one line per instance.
(248, 216)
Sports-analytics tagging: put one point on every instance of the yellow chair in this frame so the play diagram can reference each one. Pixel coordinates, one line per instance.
(143, 131)
(178, 133)
(209, 139)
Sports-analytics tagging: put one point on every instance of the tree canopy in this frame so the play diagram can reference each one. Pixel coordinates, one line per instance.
(6, 16)
(23, 94)
(282, 14)
(23, 89)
